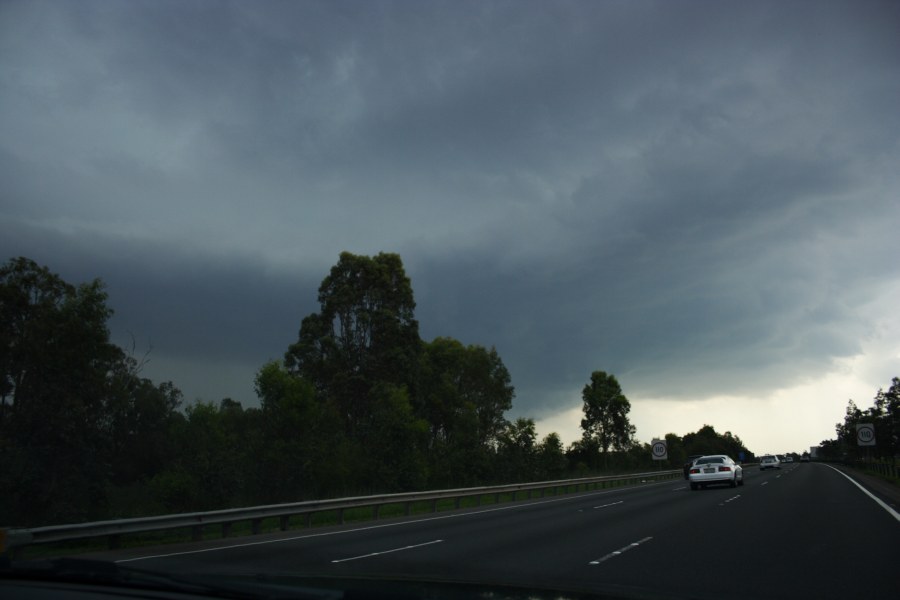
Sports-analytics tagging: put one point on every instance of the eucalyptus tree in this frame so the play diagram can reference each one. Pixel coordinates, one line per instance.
(55, 356)
(77, 421)
(364, 334)
(606, 414)
(361, 354)
(463, 394)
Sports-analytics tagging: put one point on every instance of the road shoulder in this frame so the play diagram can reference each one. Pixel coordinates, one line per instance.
(885, 490)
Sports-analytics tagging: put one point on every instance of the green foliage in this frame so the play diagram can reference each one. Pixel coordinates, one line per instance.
(412, 413)
(551, 458)
(517, 451)
(364, 335)
(359, 404)
(884, 415)
(678, 454)
(396, 461)
(293, 449)
(606, 414)
(464, 392)
(54, 360)
(707, 441)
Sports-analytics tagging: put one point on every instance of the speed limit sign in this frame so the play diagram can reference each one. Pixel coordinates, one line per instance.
(659, 450)
(865, 434)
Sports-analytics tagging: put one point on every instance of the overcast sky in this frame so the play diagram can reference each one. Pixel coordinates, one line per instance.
(701, 198)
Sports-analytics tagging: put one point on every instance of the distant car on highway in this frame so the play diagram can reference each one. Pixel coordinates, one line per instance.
(788, 459)
(690, 463)
(769, 462)
(804, 458)
(715, 469)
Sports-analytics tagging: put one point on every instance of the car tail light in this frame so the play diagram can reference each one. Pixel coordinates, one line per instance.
(695, 470)
(724, 468)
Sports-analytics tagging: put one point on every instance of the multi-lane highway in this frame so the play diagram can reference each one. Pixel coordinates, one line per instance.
(806, 531)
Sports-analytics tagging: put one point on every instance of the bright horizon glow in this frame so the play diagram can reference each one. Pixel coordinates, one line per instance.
(787, 420)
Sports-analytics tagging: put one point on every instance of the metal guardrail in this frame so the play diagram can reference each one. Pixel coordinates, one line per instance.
(16, 539)
(880, 467)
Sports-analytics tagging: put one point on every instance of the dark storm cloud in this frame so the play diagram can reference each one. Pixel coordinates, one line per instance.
(177, 307)
(695, 195)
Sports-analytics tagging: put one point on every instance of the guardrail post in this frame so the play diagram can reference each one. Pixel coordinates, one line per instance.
(434, 505)
(340, 516)
(255, 526)
(196, 533)
(283, 522)
(407, 508)
(112, 542)
(308, 519)
(375, 510)
(456, 501)
(226, 529)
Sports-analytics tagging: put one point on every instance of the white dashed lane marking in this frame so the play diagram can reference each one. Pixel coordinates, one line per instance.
(620, 551)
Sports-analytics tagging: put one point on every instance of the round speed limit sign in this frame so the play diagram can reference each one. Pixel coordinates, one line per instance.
(865, 434)
(659, 450)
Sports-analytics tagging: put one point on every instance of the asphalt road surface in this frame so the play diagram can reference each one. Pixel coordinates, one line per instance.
(805, 531)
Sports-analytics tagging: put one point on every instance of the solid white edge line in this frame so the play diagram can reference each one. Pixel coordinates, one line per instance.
(370, 554)
(565, 498)
(880, 502)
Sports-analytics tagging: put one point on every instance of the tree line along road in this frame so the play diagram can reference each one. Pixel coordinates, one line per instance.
(806, 531)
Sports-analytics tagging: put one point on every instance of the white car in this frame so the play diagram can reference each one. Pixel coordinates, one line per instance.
(714, 469)
(769, 462)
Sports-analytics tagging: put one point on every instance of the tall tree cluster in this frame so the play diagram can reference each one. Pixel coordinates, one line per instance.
(606, 425)
(608, 436)
(408, 413)
(359, 404)
(72, 405)
(883, 415)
